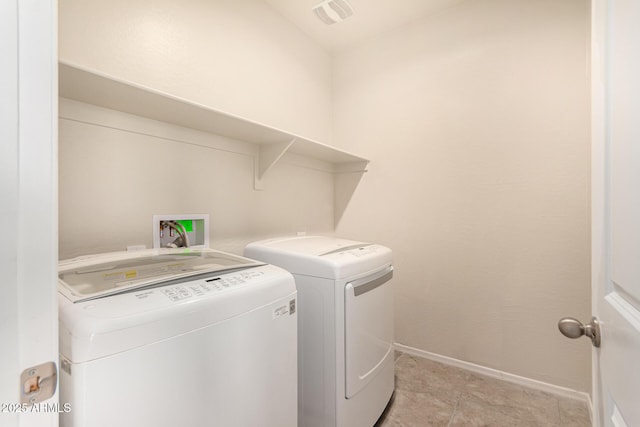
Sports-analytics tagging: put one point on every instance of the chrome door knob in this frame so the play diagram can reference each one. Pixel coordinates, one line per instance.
(573, 328)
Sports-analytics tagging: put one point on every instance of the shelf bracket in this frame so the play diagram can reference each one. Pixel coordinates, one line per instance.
(346, 178)
(268, 155)
(351, 167)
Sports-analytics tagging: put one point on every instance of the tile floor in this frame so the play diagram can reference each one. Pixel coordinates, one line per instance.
(429, 393)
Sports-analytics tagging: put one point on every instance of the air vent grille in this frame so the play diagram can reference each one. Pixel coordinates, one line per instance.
(332, 11)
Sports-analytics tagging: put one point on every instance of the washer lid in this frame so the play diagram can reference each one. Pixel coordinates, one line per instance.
(320, 256)
(92, 277)
(312, 245)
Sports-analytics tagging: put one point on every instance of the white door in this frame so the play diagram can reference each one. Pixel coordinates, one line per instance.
(616, 210)
(28, 211)
(368, 308)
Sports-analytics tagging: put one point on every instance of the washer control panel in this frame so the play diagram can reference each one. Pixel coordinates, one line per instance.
(209, 286)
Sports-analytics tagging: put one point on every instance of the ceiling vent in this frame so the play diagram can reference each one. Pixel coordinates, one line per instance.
(332, 11)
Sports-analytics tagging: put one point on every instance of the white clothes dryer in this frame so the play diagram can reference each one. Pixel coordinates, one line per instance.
(177, 338)
(345, 326)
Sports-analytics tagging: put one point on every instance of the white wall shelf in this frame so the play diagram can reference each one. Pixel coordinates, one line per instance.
(99, 89)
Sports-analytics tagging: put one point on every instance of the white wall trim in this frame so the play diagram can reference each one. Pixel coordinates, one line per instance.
(501, 375)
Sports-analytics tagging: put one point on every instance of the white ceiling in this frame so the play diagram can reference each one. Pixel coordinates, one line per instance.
(370, 18)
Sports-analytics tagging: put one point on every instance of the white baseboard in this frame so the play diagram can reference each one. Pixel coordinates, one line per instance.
(505, 376)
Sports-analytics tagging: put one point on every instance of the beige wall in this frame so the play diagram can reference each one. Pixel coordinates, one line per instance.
(239, 57)
(476, 121)
(118, 170)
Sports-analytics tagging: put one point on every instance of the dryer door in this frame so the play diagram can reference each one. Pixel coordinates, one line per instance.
(368, 328)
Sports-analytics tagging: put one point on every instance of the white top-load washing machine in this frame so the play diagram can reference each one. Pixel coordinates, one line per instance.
(345, 326)
(170, 338)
